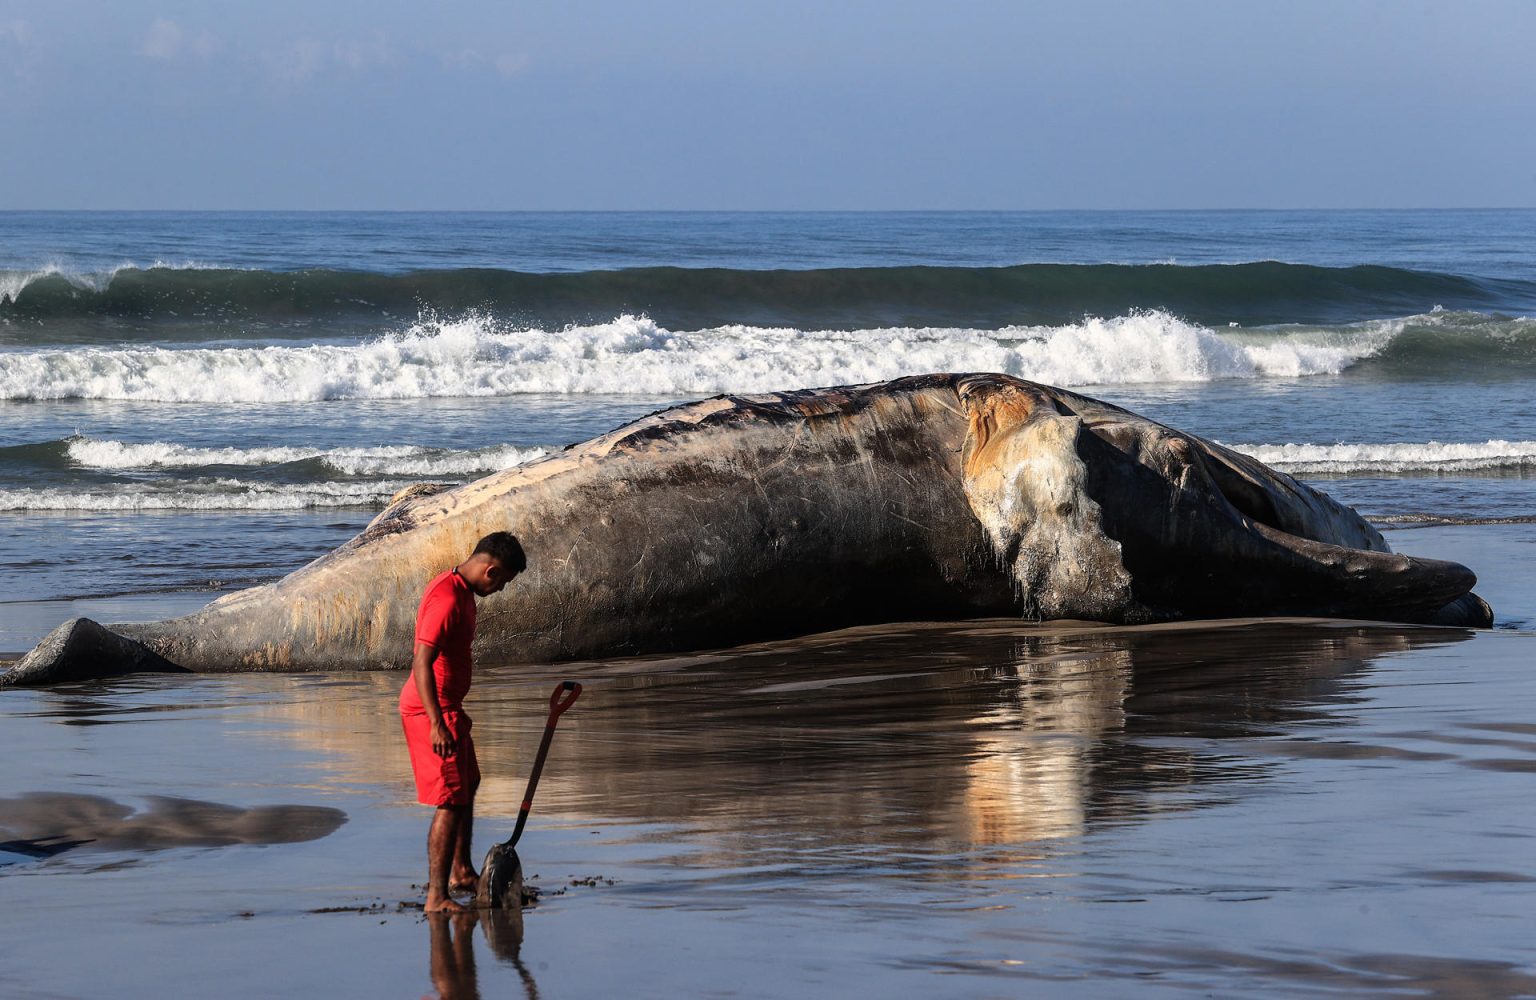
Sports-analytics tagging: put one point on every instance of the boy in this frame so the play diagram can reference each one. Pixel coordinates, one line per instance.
(432, 713)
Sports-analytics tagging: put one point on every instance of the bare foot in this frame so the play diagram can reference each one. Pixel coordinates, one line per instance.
(443, 904)
(465, 880)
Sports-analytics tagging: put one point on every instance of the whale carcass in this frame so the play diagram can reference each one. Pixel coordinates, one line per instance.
(747, 517)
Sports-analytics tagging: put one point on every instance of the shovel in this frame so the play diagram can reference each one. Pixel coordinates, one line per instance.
(501, 876)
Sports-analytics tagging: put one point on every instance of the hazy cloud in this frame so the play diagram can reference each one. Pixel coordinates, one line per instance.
(18, 55)
(168, 40)
(465, 59)
(358, 56)
(297, 62)
(304, 59)
(507, 64)
(164, 39)
(16, 33)
(511, 63)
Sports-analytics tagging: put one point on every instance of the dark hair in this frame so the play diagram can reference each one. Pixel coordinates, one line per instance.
(504, 547)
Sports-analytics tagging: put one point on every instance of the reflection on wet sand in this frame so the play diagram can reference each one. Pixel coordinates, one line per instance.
(453, 956)
(1038, 790)
(46, 823)
(894, 803)
(931, 737)
(1328, 972)
(453, 952)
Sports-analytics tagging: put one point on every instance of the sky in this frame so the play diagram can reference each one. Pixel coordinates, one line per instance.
(756, 105)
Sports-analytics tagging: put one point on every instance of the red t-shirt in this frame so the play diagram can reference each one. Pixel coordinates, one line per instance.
(446, 619)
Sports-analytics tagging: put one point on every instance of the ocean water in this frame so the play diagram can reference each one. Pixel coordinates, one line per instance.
(191, 404)
(196, 402)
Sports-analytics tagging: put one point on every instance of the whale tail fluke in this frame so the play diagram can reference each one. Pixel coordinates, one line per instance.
(1467, 611)
(82, 649)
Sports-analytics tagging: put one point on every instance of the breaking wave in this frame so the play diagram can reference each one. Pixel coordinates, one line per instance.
(215, 495)
(78, 286)
(401, 460)
(478, 355)
(1431, 457)
(90, 474)
(853, 297)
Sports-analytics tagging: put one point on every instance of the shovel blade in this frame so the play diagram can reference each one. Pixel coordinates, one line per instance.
(501, 881)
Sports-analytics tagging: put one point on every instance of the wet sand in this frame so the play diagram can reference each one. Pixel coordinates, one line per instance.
(1265, 809)
(1251, 809)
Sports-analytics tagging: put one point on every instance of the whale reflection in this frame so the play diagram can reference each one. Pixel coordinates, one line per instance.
(928, 737)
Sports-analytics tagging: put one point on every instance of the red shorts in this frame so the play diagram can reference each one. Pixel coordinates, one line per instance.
(442, 781)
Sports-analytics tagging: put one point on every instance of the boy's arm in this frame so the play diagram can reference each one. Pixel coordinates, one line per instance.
(443, 743)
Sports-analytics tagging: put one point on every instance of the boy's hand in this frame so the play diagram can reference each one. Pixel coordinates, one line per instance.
(443, 743)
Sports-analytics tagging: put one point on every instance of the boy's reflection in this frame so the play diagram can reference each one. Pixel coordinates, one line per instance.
(453, 951)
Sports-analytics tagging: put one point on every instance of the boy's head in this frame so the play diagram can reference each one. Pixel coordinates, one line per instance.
(496, 560)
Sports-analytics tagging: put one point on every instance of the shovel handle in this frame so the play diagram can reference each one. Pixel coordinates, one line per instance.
(558, 705)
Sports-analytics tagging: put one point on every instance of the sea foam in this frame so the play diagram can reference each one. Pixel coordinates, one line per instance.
(1429, 457)
(398, 460)
(216, 495)
(478, 355)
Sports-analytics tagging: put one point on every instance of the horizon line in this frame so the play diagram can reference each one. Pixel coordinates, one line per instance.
(752, 211)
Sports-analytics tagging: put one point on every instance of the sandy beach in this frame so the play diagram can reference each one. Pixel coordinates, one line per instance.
(1251, 808)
